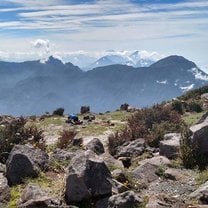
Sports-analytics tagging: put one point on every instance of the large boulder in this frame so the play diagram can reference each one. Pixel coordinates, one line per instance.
(34, 196)
(96, 146)
(147, 169)
(131, 149)
(199, 134)
(170, 146)
(201, 194)
(127, 199)
(25, 161)
(4, 191)
(157, 160)
(146, 173)
(88, 177)
(61, 155)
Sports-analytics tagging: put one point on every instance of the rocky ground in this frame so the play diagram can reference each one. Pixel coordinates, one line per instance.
(84, 174)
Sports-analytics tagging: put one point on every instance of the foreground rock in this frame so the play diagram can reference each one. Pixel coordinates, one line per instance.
(170, 146)
(199, 135)
(131, 149)
(4, 191)
(201, 194)
(127, 199)
(61, 155)
(88, 177)
(96, 146)
(25, 161)
(148, 168)
(34, 196)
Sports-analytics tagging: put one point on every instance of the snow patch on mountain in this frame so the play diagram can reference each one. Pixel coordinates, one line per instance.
(199, 74)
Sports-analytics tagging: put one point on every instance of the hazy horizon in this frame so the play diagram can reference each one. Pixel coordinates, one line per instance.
(31, 29)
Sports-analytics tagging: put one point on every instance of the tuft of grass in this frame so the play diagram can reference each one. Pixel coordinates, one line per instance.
(16, 192)
(202, 177)
(160, 171)
(93, 130)
(54, 120)
(192, 118)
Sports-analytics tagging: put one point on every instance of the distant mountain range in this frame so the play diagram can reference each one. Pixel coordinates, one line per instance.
(135, 59)
(33, 87)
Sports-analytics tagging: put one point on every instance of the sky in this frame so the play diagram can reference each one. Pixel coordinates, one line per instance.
(31, 28)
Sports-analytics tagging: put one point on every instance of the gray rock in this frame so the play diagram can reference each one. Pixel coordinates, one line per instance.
(127, 199)
(199, 136)
(201, 194)
(34, 197)
(131, 149)
(170, 146)
(173, 174)
(4, 191)
(146, 173)
(87, 177)
(61, 155)
(157, 160)
(2, 168)
(77, 142)
(25, 161)
(96, 146)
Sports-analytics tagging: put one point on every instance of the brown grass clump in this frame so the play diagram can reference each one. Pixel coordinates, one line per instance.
(66, 138)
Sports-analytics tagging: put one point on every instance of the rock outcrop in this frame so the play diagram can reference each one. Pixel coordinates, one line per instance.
(88, 177)
(4, 191)
(199, 136)
(34, 196)
(96, 146)
(25, 161)
(131, 149)
(170, 146)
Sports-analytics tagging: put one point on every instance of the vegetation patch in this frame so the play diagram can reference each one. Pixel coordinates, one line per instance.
(148, 123)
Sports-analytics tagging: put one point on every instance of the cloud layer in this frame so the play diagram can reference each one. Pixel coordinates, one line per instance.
(170, 27)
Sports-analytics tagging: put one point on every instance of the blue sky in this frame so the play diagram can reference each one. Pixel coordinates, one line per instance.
(165, 26)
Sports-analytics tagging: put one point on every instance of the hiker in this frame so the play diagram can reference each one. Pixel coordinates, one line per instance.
(73, 119)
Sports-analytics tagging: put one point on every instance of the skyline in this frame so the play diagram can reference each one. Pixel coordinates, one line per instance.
(30, 28)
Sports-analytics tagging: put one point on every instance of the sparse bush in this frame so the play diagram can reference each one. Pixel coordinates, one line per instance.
(16, 133)
(58, 112)
(148, 123)
(177, 105)
(11, 134)
(124, 107)
(66, 138)
(85, 109)
(195, 107)
(190, 154)
(34, 136)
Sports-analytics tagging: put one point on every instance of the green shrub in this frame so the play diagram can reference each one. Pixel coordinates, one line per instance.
(16, 133)
(58, 112)
(148, 123)
(190, 154)
(11, 134)
(177, 105)
(195, 107)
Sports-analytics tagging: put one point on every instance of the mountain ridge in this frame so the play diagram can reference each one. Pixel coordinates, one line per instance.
(25, 87)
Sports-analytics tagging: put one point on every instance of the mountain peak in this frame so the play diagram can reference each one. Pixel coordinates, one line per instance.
(176, 61)
(53, 60)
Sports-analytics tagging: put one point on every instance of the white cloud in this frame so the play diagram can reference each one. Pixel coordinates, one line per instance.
(187, 88)
(43, 47)
(162, 82)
